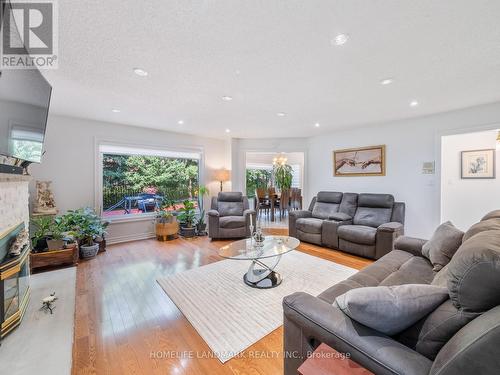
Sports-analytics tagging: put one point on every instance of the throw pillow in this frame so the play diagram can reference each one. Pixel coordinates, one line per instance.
(443, 244)
(391, 309)
(441, 278)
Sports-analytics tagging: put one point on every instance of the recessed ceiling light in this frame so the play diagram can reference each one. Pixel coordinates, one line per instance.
(115, 110)
(140, 72)
(317, 125)
(387, 81)
(180, 122)
(340, 39)
(228, 130)
(227, 98)
(281, 114)
(413, 103)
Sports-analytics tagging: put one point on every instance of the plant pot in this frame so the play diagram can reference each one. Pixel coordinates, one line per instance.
(55, 258)
(89, 251)
(201, 229)
(167, 230)
(55, 244)
(41, 245)
(188, 232)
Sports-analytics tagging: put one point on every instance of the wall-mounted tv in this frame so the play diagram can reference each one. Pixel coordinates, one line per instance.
(24, 106)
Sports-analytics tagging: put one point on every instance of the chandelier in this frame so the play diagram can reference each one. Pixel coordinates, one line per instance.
(498, 137)
(281, 159)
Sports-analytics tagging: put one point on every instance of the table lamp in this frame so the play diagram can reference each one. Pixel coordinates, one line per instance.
(222, 175)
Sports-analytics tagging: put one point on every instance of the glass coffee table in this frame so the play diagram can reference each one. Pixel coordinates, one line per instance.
(261, 273)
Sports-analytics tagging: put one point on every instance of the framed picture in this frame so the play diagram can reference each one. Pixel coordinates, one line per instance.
(365, 161)
(478, 163)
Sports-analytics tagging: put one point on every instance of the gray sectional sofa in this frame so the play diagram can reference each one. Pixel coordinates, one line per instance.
(461, 336)
(361, 224)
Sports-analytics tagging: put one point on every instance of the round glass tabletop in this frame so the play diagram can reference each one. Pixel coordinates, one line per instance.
(246, 250)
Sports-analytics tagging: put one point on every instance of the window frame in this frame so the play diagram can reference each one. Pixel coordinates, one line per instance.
(98, 173)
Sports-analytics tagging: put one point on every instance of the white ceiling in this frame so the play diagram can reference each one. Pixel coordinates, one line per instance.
(273, 56)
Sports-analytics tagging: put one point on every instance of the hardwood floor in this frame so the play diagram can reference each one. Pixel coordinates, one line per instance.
(126, 324)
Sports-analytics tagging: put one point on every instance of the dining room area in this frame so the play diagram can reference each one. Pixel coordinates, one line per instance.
(274, 185)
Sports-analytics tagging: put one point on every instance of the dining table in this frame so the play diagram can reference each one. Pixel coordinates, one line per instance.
(273, 199)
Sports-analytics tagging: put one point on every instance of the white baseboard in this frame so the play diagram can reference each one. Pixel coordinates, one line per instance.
(130, 237)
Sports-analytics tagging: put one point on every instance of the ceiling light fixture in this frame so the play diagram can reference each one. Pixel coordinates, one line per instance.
(180, 122)
(340, 39)
(281, 114)
(140, 72)
(115, 110)
(228, 130)
(317, 125)
(227, 98)
(413, 103)
(386, 81)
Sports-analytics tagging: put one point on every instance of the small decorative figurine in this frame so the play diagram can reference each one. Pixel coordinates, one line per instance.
(45, 202)
(22, 240)
(48, 302)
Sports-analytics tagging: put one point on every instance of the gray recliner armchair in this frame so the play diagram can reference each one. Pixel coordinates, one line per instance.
(229, 216)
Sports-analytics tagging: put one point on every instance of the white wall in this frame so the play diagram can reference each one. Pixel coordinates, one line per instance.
(409, 144)
(465, 201)
(70, 162)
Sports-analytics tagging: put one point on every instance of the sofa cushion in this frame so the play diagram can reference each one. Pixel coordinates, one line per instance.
(329, 197)
(483, 225)
(309, 225)
(327, 203)
(230, 208)
(349, 204)
(358, 234)
(441, 278)
(339, 216)
(416, 270)
(491, 215)
(232, 222)
(431, 333)
(474, 273)
(391, 309)
(371, 275)
(373, 209)
(443, 244)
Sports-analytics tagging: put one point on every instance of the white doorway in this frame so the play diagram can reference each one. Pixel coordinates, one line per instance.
(464, 201)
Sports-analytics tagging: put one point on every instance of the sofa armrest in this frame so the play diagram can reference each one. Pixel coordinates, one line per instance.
(213, 213)
(310, 320)
(391, 227)
(339, 216)
(410, 244)
(292, 219)
(386, 237)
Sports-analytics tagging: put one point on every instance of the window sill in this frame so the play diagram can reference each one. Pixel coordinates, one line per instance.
(129, 218)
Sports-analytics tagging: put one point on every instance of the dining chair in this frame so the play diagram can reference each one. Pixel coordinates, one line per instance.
(262, 201)
(283, 203)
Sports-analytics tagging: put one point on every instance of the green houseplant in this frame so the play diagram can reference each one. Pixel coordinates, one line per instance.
(187, 218)
(283, 176)
(87, 227)
(201, 225)
(166, 225)
(55, 241)
(40, 232)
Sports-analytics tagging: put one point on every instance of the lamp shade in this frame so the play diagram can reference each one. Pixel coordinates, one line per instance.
(222, 175)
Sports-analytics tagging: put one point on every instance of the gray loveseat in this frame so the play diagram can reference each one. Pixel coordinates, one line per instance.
(363, 224)
(229, 216)
(461, 336)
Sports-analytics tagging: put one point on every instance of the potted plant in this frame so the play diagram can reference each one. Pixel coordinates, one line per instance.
(40, 232)
(283, 176)
(187, 218)
(55, 241)
(201, 225)
(167, 225)
(86, 226)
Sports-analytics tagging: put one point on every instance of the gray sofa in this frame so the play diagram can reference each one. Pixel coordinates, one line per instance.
(229, 216)
(363, 224)
(461, 336)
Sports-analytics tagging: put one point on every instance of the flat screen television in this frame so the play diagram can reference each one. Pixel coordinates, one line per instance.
(24, 106)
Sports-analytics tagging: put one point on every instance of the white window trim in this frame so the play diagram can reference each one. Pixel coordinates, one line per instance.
(98, 183)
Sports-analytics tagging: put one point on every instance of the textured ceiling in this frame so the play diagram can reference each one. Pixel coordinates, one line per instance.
(273, 56)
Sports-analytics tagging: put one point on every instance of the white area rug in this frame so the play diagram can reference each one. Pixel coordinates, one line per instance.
(43, 343)
(231, 316)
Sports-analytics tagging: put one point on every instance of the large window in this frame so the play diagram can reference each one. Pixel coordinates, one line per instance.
(139, 181)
